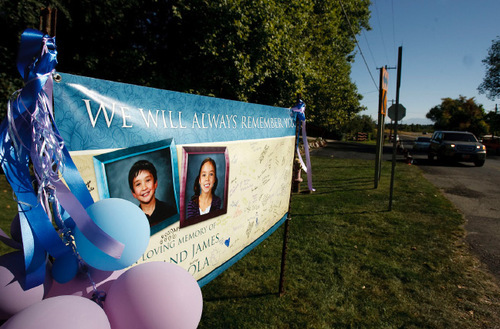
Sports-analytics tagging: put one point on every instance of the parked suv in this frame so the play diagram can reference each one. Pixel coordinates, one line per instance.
(457, 146)
(492, 144)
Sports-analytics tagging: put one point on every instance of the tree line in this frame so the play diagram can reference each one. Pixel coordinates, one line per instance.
(265, 51)
(462, 114)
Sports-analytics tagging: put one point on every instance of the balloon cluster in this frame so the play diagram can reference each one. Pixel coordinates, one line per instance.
(150, 295)
(74, 252)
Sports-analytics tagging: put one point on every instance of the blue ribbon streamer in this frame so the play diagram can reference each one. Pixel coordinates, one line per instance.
(29, 132)
(38, 234)
(34, 72)
(300, 111)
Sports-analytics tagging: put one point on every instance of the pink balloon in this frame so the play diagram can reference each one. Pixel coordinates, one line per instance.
(154, 295)
(13, 298)
(82, 286)
(60, 312)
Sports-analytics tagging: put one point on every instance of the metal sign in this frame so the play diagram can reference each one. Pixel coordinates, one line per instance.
(384, 81)
(401, 113)
(383, 104)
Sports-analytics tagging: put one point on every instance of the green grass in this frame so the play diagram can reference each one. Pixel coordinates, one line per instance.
(353, 264)
(8, 210)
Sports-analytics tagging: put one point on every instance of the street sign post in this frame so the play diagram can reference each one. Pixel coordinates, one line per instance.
(396, 115)
(398, 112)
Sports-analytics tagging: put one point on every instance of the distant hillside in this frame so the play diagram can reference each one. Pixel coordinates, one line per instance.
(417, 121)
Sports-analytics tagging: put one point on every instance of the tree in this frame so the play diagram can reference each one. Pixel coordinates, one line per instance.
(461, 114)
(263, 51)
(15, 16)
(491, 83)
(492, 118)
(360, 123)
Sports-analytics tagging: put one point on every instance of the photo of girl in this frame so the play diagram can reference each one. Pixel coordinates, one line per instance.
(204, 199)
(204, 184)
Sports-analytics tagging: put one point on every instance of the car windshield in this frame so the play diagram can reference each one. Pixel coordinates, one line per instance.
(459, 137)
(423, 139)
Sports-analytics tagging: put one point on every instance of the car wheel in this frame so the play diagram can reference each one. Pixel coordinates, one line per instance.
(430, 156)
(479, 163)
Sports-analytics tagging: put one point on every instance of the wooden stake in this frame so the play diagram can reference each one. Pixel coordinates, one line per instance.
(48, 21)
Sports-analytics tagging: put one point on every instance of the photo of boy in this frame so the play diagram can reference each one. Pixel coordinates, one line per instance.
(143, 182)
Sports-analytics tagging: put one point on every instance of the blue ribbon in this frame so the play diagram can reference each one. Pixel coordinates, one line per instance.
(31, 46)
(34, 72)
(300, 111)
(38, 234)
(28, 133)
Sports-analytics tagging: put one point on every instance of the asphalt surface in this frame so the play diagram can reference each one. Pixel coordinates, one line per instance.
(475, 191)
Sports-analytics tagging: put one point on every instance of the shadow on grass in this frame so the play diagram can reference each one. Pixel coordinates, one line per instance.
(342, 189)
(354, 165)
(336, 185)
(341, 213)
(363, 212)
(241, 296)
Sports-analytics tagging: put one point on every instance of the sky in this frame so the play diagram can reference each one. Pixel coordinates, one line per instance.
(443, 45)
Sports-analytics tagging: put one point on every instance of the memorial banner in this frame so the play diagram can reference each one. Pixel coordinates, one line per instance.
(213, 176)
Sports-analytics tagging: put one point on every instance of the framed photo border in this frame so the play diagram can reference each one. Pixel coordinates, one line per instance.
(101, 160)
(190, 150)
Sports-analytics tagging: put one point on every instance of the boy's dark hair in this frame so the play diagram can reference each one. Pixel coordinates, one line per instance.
(137, 168)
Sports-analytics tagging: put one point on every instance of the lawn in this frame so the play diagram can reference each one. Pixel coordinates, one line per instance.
(8, 210)
(352, 263)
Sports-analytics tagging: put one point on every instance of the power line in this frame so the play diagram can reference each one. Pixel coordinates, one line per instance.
(356, 40)
(393, 25)
(380, 31)
(369, 49)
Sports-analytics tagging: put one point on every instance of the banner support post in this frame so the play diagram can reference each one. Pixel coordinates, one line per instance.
(287, 220)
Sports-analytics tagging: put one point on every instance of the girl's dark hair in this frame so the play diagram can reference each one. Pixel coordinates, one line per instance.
(196, 187)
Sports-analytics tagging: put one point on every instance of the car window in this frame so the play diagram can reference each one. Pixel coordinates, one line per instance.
(459, 137)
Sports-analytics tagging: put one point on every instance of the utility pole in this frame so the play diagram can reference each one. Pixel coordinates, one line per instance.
(392, 123)
(394, 146)
(382, 111)
(493, 130)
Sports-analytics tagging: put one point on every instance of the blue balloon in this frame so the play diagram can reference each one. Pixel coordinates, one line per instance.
(65, 268)
(123, 221)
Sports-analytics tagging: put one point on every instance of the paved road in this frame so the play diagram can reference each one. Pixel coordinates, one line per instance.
(475, 191)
